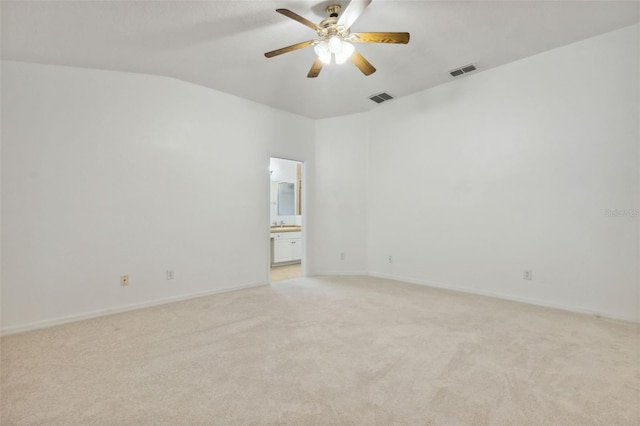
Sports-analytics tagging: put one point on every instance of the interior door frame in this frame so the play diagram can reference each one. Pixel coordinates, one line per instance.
(304, 221)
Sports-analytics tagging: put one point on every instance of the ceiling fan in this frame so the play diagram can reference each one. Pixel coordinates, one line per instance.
(334, 43)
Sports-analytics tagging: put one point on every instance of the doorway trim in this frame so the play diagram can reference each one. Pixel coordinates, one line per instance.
(304, 216)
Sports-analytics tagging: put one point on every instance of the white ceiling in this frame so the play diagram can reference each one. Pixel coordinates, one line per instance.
(220, 44)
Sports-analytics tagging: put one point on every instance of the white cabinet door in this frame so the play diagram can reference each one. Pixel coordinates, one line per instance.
(282, 251)
(287, 246)
(296, 249)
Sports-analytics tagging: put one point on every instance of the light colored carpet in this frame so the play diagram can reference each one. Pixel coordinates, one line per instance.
(327, 351)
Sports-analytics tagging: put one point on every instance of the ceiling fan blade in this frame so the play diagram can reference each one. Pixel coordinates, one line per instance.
(402, 38)
(296, 17)
(362, 64)
(315, 68)
(352, 12)
(289, 48)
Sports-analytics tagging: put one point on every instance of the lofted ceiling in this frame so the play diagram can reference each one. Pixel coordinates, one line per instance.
(220, 44)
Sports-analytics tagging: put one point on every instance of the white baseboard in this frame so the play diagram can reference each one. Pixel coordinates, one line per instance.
(530, 301)
(108, 311)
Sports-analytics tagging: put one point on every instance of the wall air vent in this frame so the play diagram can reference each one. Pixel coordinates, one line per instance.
(462, 70)
(380, 97)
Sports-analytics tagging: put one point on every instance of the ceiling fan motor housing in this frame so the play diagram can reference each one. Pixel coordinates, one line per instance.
(329, 26)
(333, 10)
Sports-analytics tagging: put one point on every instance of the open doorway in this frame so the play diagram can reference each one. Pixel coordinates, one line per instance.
(286, 236)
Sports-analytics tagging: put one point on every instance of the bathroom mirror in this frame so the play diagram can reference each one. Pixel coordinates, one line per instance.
(286, 199)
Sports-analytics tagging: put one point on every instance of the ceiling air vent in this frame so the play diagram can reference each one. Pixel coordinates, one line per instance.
(462, 70)
(381, 97)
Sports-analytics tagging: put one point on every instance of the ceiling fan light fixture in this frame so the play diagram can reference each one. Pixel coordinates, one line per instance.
(325, 59)
(334, 37)
(323, 52)
(345, 53)
(335, 44)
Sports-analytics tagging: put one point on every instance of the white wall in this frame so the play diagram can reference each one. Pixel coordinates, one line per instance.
(513, 168)
(282, 170)
(340, 203)
(107, 173)
(466, 185)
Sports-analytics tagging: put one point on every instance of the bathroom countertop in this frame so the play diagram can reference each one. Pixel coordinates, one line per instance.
(286, 228)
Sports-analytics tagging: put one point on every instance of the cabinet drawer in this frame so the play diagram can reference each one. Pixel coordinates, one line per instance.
(287, 235)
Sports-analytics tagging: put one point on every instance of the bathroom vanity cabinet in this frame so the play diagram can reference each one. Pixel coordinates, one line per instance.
(286, 247)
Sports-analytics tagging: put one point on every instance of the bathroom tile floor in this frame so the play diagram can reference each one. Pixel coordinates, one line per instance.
(281, 273)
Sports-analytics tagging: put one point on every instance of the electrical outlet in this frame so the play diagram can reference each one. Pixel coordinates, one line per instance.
(528, 274)
(124, 280)
(169, 274)
(390, 259)
(342, 256)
